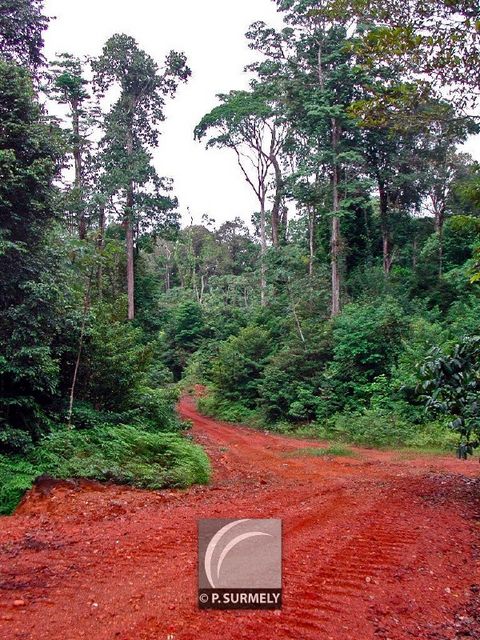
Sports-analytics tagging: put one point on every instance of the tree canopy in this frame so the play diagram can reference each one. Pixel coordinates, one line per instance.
(345, 304)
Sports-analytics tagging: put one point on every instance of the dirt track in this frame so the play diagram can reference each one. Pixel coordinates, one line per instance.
(380, 546)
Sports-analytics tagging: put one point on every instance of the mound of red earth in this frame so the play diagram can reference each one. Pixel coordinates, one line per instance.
(378, 546)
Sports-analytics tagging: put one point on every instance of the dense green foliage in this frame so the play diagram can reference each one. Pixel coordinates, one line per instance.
(31, 314)
(348, 308)
(83, 392)
(121, 454)
(450, 383)
(384, 202)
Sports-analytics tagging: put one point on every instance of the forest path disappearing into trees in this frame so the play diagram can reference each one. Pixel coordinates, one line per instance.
(382, 545)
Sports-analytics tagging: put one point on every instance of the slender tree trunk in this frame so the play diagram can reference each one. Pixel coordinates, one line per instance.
(277, 203)
(439, 211)
(297, 322)
(167, 277)
(387, 251)
(78, 166)
(130, 268)
(440, 252)
(385, 228)
(311, 242)
(113, 287)
(86, 306)
(129, 232)
(283, 223)
(335, 233)
(263, 251)
(335, 266)
(100, 245)
(168, 255)
(194, 283)
(320, 66)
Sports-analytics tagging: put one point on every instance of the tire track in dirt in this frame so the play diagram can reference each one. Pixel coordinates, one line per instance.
(374, 548)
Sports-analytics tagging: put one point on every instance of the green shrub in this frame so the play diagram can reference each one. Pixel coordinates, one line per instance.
(13, 440)
(122, 454)
(449, 383)
(290, 382)
(370, 428)
(84, 416)
(16, 477)
(238, 368)
(366, 343)
(374, 428)
(216, 407)
(464, 317)
(434, 435)
(155, 409)
(151, 410)
(184, 333)
(114, 362)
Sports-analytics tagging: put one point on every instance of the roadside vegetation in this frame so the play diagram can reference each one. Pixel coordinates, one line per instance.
(347, 305)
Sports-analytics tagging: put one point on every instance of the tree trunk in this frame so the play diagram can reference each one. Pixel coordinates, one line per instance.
(311, 234)
(439, 212)
(86, 306)
(129, 222)
(335, 234)
(130, 268)
(283, 223)
(440, 252)
(167, 277)
(335, 266)
(297, 322)
(263, 251)
(100, 245)
(78, 166)
(387, 251)
(385, 228)
(277, 203)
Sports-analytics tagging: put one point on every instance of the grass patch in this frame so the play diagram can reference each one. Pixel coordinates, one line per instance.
(332, 451)
(121, 454)
(381, 430)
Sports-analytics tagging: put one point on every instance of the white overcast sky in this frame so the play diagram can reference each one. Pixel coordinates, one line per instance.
(211, 33)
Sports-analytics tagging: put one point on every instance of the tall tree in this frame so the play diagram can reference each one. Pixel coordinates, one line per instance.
(313, 67)
(246, 123)
(431, 39)
(392, 161)
(131, 131)
(30, 158)
(22, 24)
(444, 168)
(68, 86)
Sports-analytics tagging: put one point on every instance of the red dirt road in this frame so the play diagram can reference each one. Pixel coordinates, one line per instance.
(376, 547)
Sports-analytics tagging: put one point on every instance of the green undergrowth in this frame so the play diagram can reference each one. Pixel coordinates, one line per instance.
(331, 451)
(372, 429)
(228, 411)
(368, 427)
(118, 453)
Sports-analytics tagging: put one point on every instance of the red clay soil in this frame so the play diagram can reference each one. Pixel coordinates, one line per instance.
(380, 546)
